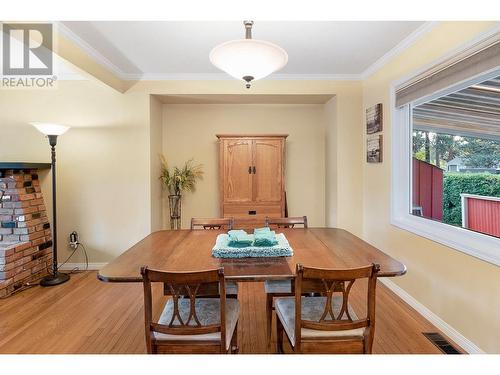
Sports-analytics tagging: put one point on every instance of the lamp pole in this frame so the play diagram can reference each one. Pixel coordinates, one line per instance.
(52, 131)
(56, 278)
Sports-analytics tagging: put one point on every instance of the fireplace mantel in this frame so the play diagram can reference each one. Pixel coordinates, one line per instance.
(23, 165)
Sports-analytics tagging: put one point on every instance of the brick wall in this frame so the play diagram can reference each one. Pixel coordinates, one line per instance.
(25, 235)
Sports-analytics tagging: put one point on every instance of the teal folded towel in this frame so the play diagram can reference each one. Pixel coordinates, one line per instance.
(265, 238)
(261, 230)
(239, 238)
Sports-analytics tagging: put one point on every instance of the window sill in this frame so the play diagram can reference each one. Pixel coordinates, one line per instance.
(478, 245)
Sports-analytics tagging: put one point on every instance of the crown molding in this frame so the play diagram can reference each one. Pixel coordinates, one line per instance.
(315, 77)
(88, 49)
(226, 77)
(400, 47)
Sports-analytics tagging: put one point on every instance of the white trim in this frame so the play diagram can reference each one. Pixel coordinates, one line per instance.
(400, 47)
(226, 77)
(81, 266)
(483, 197)
(87, 48)
(448, 330)
(465, 212)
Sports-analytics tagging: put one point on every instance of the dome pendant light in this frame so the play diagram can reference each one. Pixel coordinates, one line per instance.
(248, 59)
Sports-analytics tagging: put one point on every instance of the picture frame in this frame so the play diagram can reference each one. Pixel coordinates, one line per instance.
(374, 148)
(374, 119)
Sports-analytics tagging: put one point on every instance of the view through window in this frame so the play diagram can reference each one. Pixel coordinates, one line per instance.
(456, 158)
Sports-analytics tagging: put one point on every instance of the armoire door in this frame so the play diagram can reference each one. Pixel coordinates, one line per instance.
(237, 170)
(268, 173)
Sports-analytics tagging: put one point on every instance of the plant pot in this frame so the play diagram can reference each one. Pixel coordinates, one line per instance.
(174, 202)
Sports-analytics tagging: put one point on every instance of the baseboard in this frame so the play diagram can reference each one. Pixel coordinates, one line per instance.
(81, 266)
(448, 330)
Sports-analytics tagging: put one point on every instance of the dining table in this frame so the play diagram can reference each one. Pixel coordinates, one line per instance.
(191, 250)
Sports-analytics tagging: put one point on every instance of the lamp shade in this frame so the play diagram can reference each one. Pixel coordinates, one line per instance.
(49, 128)
(248, 57)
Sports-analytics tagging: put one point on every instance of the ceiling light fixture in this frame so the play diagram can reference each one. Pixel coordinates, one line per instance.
(248, 59)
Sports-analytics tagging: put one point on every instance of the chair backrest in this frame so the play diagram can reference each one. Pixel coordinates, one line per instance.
(216, 223)
(286, 222)
(327, 282)
(183, 285)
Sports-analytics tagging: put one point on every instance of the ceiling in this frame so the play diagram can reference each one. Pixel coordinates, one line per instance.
(170, 50)
(473, 111)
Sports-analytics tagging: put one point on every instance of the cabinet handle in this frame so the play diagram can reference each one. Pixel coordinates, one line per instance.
(254, 170)
(249, 170)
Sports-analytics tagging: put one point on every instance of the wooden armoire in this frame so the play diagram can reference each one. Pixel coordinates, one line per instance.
(252, 177)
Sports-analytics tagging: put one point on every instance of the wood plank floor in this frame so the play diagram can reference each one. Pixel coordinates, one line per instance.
(85, 315)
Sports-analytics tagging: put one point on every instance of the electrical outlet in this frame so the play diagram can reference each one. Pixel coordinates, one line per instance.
(73, 240)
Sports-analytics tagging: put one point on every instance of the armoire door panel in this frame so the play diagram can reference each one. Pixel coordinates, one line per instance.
(237, 175)
(267, 175)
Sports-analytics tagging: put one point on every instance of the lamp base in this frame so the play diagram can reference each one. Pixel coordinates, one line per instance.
(56, 279)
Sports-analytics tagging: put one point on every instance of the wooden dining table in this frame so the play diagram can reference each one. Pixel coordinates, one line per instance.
(191, 250)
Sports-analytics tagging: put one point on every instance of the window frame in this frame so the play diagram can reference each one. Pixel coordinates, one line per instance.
(476, 244)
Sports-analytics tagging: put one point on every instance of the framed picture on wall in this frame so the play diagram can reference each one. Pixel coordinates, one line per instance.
(374, 148)
(374, 119)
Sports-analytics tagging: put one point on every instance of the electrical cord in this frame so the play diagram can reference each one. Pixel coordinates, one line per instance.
(68, 258)
(78, 244)
(74, 270)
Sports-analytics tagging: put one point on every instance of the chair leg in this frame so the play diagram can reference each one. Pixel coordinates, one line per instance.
(234, 349)
(279, 335)
(269, 319)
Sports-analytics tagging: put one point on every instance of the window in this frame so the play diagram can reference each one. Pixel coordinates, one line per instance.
(446, 155)
(456, 158)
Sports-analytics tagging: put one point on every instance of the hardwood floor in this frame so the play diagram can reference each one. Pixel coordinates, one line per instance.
(85, 315)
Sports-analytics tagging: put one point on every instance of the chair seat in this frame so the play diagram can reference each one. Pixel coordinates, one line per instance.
(231, 288)
(207, 311)
(278, 286)
(312, 309)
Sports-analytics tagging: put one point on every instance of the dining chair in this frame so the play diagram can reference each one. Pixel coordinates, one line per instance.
(327, 324)
(188, 323)
(216, 223)
(279, 288)
(286, 222)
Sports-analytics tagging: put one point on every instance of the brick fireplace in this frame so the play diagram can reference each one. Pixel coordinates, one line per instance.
(25, 234)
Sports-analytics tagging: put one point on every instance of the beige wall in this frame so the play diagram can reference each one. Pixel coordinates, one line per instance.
(189, 132)
(349, 150)
(156, 149)
(460, 289)
(330, 113)
(103, 161)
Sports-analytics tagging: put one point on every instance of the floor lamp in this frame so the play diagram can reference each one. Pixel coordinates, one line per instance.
(52, 131)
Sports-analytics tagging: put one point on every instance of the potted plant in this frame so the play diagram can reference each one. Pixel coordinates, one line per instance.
(177, 181)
